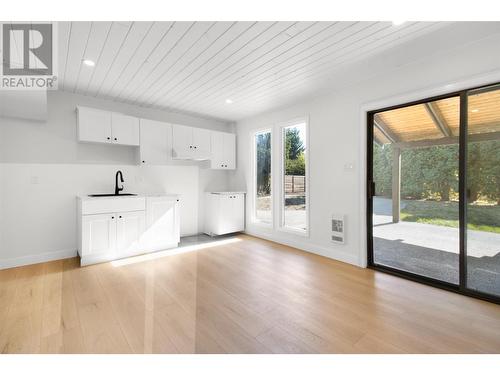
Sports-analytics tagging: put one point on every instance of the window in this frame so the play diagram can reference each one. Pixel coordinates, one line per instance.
(263, 211)
(294, 178)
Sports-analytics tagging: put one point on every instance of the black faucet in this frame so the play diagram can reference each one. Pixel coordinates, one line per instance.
(118, 189)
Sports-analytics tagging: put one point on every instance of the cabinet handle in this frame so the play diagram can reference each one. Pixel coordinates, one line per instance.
(112, 217)
(116, 139)
(120, 216)
(190, 146)
(109, 138)
(143, 161)
(177, 200)
(195, 147)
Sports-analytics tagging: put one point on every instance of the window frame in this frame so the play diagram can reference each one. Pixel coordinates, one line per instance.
(281, 180)
(254, 219)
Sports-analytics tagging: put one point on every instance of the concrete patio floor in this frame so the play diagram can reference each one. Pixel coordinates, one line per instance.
(432, 250)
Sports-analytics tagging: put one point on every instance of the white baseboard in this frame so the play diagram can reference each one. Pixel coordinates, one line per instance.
(310, 248)
(38, 258)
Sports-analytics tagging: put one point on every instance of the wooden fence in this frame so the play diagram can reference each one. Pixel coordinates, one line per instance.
(295, 184)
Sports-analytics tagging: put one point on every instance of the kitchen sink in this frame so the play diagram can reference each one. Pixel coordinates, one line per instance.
(112, 195)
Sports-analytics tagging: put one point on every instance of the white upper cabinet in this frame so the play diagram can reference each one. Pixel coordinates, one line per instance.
(159, 142)
(182, 142)
(124, 129)
(201, 143)
(190, 143)
(95, 125)
(223, 147)
(156, 142)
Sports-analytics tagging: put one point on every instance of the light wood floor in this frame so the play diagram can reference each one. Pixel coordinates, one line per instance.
(248, 296)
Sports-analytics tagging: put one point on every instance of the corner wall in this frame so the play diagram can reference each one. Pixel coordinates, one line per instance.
(337, 128)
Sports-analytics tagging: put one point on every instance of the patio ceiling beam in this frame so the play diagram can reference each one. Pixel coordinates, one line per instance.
(384, 129)
(480, 137)
(438, 119)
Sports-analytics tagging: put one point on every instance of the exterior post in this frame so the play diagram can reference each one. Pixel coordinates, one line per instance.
(396, 184)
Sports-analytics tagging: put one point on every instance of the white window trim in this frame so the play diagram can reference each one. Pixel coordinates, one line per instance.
(253, 148)
(280, 182)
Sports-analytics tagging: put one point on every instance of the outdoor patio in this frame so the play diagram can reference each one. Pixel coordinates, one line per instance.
(432, 250)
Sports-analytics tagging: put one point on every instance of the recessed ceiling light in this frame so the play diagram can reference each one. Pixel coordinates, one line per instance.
(397, 23)
(89, 62)
(229, 101)
(475, 110)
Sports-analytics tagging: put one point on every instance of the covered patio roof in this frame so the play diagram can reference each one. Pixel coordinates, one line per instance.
(435, 123)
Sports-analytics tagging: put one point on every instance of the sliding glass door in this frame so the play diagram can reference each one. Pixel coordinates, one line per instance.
(434, 191)
(483, 191)
(415, 202)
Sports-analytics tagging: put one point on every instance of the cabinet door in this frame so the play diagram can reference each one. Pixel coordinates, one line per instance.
(154, 142)
(124, 129)
(130, 227)
(225, 215)
(94, 125)
(201, 142)
(163, 227)
(217, 150)
(238, 212)
(98, 234)
(182, 142)
(229, 151)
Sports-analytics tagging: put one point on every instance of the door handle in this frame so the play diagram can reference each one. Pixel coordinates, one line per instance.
(371, 188)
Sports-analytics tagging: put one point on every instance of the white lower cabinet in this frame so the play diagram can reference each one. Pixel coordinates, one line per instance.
(130, 227)
(224, 213)
(98, 234)
(107, 230)
(162, 229)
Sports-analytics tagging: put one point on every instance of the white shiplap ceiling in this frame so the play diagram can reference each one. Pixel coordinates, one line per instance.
(195, 66)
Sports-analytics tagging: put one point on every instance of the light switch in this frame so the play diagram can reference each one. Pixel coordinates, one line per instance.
(349, 167)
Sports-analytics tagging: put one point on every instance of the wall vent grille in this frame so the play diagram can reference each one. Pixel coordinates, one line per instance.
(338, 228)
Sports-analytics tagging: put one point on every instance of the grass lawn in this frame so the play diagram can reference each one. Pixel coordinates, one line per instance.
(483, 218)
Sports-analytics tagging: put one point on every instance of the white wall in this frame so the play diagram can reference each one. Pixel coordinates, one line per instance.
(337, 127)
(43, 168)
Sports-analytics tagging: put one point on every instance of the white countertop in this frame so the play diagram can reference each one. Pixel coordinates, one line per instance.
(86, 197)
(226, 192)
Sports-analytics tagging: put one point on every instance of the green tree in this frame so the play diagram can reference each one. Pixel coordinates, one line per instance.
(296, 166)
(483, 170)
(293, 143)
(263, 150)
(382, 169)
(432, 172)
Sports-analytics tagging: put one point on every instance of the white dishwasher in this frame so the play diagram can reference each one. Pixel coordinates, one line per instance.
(224, 212)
